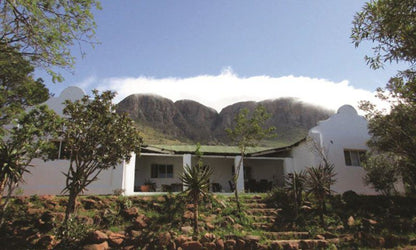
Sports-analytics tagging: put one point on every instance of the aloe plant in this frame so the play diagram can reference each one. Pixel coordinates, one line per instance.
(196, 180)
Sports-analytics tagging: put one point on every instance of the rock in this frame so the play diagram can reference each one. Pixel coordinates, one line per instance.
(370, 221)
(89, 203)
(210, 245)
(34, 211)
(209, 226)
(85, 220)
(220, 244)
(217, 210)
(116, 239)
(46, 242)
(190, 206)
(192, 245)
(46, 197)
(164, 239)
(306, 208)
(161, 199)
(100, 246)
(182, 239)
(188, 214)
(320, 237)
(229, 219)
(230, 244)
(240, 243)
(329, 235)
(252, 238)
(140, 222)
(351, 221)
(208, 237)
(135, 233)
(187, 229)
(130, 213)
(96, 237)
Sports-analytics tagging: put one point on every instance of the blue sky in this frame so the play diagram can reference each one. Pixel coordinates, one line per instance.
(219, 52)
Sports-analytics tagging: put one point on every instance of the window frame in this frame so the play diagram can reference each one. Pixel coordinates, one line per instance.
(161, 171)
(354, 157)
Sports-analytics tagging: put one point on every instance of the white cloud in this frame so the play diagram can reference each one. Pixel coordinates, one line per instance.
(218, 91)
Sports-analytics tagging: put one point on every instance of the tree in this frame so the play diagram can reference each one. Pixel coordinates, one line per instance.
(96, 138)
(23, 134)
(248, 131)
(196, 180)
(381, 172)
(44, 30)
(23, 142)
(391, 25)
(18, 89)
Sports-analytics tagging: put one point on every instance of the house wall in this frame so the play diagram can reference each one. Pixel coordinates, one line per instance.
(47, 178)
(143, 168)
(344, 130)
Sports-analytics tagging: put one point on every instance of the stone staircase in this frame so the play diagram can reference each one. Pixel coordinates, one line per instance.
(264, 218)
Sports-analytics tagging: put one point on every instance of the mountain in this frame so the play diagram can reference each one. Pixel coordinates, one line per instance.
(164, 121)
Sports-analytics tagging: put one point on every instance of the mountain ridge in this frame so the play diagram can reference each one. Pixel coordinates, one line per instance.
(187, 121)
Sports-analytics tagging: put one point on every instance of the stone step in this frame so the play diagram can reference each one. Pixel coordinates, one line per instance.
(263, 218)
(262, 211)
(255, 205)
(302, 244)
(263, 225)
(287, 235)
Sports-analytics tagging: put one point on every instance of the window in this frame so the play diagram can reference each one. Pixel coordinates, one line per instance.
(161, 171)
(59, 151)
(354, 157)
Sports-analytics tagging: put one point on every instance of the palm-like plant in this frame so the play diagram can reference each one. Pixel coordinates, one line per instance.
(196, 180)
(319, 183)
(295, 185)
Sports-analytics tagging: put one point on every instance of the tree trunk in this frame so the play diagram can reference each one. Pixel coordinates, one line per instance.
(196, 214)
(321, 216)
(70, 207)
(6, 203)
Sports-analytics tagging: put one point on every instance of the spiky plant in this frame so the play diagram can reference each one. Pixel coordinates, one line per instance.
(295, 185)
(196, 180)
(318, 183)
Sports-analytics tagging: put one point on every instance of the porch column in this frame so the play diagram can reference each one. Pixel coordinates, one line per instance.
(129, 175)
(288, 166)
(187, 161)
(240, 180)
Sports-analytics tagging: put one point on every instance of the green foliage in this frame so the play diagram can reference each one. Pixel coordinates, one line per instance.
(382, 172)
(248, 131)
(295, 185)
(18, 89)
(72, 233)
(23, 135)
(391, 25)
(196, 180)
(44, 30)
(318, 183)
(97, 138)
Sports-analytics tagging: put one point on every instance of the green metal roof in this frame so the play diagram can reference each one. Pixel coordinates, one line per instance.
(207, 149)
(212, 149)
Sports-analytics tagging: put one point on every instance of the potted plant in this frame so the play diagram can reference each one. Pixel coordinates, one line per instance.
(149, 186)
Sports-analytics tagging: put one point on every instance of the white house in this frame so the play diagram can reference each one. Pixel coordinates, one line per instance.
(342, 138)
